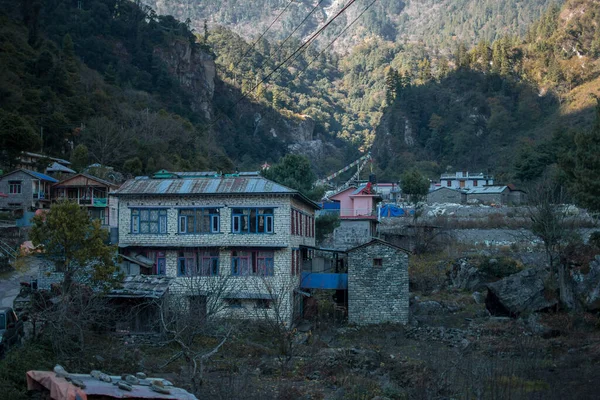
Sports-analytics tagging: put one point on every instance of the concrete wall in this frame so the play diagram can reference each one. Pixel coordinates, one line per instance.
(377, 294)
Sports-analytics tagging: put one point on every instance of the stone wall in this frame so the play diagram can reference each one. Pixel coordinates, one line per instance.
(377, 293)
(278, 288)
(24, 199)
(445, 195)
(352, 233)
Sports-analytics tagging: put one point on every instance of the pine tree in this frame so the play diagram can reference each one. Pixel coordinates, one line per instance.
(390, 86)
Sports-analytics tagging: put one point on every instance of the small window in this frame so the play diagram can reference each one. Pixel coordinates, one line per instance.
(377, 262)
(448, 183)
(269, 224)
(183, 224)
(14, 187)
(475, 182)
(263, 304)
(234, 303)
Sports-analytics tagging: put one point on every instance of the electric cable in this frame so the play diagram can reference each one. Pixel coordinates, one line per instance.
(299, 49)
(265, 32)
(336, 38)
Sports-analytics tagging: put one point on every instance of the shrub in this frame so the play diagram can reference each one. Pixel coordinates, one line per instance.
(499, 267)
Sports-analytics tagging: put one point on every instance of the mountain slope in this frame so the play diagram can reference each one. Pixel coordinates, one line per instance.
(502, 100)
(434, 22)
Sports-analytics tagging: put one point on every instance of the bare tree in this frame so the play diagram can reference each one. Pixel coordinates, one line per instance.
(276, 310)
(195, 308)
(550, 223)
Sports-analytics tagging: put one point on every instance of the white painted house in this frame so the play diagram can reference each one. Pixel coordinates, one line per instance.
(239, 235)
(463, 180)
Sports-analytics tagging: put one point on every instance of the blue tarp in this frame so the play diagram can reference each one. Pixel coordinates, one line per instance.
(390, 210)
(318, 280)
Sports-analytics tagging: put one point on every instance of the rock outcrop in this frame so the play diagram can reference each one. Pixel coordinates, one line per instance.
(520, 293)
(587, 286)
(195, 70)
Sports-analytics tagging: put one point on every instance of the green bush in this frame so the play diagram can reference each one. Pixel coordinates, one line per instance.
(499, 267)
(31, 356)
(595, 239)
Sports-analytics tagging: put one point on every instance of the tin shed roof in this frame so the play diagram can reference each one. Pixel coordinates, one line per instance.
(191, 186)
(142, 286)
(487, 190)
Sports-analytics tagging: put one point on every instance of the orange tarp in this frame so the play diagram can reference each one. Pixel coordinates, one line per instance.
(59, 388)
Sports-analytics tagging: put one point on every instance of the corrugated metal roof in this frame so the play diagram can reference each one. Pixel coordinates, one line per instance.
(190, 186)
(150, 286)
(487, 190)
(56, 167)
(41, 176)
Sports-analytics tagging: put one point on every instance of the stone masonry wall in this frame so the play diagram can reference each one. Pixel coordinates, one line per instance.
(377, 294)
(279, 287)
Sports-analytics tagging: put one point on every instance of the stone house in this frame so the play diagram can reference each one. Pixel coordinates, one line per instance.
(377, 283)
(236, 237)
(446, 195)
(498, 195)
(90, 192)
(24, 190)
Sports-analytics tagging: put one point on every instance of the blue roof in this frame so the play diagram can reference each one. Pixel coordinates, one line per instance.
(41, 176)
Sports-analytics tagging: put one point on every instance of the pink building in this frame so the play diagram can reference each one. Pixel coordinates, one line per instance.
(357, 202)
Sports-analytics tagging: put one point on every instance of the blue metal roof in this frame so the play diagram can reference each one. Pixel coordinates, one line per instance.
(41, 176)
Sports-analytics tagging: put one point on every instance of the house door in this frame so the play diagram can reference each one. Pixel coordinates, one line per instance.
(161, 266)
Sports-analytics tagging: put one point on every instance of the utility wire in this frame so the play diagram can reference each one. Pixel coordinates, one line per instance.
(267, 30)
(299, 49)
(336, 38)
(298, 27)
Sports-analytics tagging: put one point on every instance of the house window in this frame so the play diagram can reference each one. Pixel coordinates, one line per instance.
(186, 263)
(252, 262)
(475, 182)
(203, 262)
(148, 220)
(262, 304)
(199, 220)
(252, 220)
(234, 303)
(377, 262)
(14, 187)
(208, 263)
(448, 183)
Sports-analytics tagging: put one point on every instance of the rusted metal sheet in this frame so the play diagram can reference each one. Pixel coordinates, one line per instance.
(188, 186)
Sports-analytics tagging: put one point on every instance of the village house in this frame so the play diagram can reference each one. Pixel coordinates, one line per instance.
(238, 235)
(463, 180)
(23, 191)
(39, 162)
(377, 283)
(358, 216)
(89, 192)
(446, 195)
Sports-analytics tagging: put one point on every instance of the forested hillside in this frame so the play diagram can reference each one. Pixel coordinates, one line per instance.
(500, 105)
(439, 23)
(129, 88)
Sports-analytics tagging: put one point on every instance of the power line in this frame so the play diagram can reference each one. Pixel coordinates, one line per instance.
(265, 32)
(336, 38)
(298, 27)
(299, 49)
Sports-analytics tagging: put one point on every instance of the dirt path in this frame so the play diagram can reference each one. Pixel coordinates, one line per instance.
(9, 284)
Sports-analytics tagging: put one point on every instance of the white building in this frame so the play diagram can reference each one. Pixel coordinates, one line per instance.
(463, 180)
(238, 235)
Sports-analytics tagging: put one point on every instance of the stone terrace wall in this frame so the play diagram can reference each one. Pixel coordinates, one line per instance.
(377, 294)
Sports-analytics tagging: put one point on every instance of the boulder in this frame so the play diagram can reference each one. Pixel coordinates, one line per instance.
(587, 286)
(465, 276)
(520, 293)
(428, 307)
